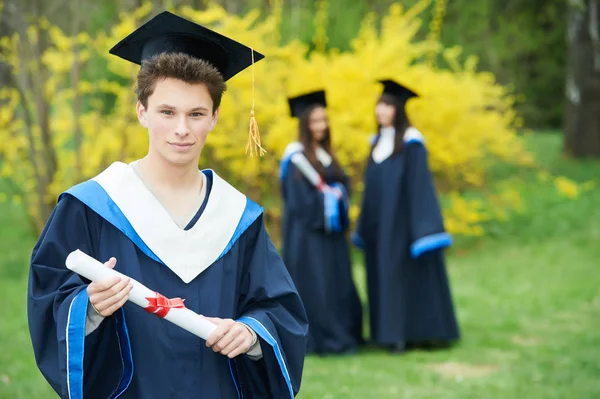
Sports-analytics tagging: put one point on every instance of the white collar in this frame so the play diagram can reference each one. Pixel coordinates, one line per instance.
(181, 220)
(387, 140)
(385, 145)
(323, 156)
(186, 252)
(388, 131)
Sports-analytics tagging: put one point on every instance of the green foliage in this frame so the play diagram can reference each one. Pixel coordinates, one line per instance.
(521, 42)
(559, 197)
(343, 24)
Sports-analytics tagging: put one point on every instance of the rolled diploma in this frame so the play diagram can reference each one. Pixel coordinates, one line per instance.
(93, 270)
(307, 169)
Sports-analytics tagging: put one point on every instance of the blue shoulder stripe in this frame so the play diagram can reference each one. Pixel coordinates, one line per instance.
(290, 151)
(91, 194)
(412, 135)
(251, 213)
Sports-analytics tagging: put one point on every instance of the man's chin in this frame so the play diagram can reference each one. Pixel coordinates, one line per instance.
(182, 160)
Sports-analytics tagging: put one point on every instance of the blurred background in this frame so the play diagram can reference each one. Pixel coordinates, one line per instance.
(510, 108)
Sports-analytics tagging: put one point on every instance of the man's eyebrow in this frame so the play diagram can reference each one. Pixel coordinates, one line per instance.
(166, 106)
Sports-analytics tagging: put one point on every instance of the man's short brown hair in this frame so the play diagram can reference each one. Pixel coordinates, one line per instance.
(179, 66)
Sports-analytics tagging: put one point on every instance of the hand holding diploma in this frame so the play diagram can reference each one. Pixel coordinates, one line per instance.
(172, 310)
(231, 338)
(313, 176)
(110, 294)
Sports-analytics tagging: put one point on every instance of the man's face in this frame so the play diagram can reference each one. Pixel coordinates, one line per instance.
(178, 118)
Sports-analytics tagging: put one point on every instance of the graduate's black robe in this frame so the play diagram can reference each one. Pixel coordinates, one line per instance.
(134, 354)
(319, 263)
(401, 231)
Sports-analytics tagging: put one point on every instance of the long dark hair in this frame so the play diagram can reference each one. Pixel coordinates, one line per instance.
(401, 122)
(305, 137)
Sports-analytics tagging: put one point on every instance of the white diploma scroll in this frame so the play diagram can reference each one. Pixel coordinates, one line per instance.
(307, 169)
(93, 270)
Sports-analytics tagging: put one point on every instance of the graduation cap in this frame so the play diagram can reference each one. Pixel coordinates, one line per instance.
(395, 89)
(300, 103)
(170, 33)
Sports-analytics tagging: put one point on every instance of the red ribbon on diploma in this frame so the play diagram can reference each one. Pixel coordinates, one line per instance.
(161, 305)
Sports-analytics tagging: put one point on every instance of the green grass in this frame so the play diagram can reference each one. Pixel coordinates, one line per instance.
(527, 297)
(19, 377)
(529, 319)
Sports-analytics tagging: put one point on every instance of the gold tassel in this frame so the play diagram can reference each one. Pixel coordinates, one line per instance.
(254, 144)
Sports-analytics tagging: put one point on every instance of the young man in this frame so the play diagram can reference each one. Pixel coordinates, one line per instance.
(178, 230)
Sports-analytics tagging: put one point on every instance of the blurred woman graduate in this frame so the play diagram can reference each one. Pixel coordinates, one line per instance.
(401, 231)
(315, 249)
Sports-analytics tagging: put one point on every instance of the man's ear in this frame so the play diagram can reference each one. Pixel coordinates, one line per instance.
(141, 114)
(215, 118)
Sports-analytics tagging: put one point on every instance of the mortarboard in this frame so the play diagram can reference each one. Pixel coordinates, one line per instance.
(170, 33)
(300, 103)
(400, 92)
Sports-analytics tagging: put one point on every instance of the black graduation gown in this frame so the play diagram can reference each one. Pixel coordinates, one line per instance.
(133, 354)
(401, 231)
(320, 265)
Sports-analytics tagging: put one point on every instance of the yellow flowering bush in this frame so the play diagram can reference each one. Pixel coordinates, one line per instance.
(467, 118)
(571, 189)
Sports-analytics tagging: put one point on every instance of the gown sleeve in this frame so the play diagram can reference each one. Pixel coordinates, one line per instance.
(358, 236)
(98, 365)
(271, 306)
(344, 202)
(317, 209)
(427, 231)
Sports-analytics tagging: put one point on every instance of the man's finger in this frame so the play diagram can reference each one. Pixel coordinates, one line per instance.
(216, 335)
(115, 289)
(113, 298)
(227, 339)
(116, 306)
(234, 344)
(109, 283)
(240, 346)
(102, 285)
(105, 294)
(111, 263)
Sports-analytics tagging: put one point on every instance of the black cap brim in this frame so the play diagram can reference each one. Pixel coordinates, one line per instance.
(299, 104)
(169, 33)
(397, 90)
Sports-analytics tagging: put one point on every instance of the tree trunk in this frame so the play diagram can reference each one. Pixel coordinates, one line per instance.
(35, 107)
(5, 30)
(42, 103)
(75, 80)
(582, 113)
